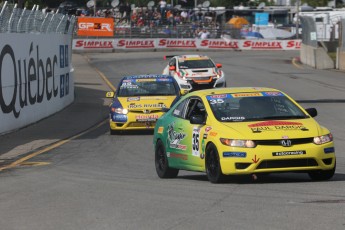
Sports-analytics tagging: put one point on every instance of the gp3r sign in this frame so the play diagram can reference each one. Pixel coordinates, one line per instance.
(100, 27)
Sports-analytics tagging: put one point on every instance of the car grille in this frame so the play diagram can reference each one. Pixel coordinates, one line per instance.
(201, 78)
(141, 124)
(269, 164)
(200, 71)
(298, 141)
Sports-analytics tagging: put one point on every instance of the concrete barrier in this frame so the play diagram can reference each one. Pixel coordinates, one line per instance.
(316, 57)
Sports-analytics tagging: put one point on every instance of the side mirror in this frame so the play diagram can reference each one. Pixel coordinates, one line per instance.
(197, 120)
(165, 109)
(219, 65)
(172, 68)
(312, 112)
(110, 94)
(183, 92)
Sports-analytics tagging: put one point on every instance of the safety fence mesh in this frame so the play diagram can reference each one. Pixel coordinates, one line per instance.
(16, 20)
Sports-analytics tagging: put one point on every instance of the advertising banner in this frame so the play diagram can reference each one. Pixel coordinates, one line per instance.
(95, 27)
(190, 44)
(35, 77)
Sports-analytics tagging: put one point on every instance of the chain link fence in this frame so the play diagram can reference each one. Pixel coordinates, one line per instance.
(16, 20)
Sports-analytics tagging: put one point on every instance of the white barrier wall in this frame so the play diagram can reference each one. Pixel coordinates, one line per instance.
(163, 43)
(35, 77)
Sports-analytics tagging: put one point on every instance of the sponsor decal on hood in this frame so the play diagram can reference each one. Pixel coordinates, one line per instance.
(276, 125)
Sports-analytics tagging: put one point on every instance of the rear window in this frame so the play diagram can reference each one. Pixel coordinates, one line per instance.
(147, 87)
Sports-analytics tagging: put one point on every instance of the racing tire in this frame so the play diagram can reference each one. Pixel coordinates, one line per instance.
(322, 175)
(213, 168)
(161, 162)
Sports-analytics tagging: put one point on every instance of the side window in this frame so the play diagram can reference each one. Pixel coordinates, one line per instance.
(179, 110)
(172, 62)
(195, 107)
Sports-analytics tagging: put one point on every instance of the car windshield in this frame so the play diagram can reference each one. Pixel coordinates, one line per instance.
(195, 64)
(239, 107)
(147, 87)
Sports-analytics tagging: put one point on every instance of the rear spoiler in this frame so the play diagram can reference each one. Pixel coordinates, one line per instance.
(169, 56)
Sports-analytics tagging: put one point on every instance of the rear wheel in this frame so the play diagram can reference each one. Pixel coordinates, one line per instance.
(161, 162)
(213, 169)
(322, 174)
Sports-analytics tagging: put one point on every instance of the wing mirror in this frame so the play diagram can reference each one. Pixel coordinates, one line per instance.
(110, 94)
(197, 119)
(312, 112)
(172, 68)
(218, 65)
(183, 92)
(165, 110)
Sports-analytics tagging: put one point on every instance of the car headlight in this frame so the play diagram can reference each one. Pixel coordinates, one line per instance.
(323, 139)
(238, 143)
(119, 110)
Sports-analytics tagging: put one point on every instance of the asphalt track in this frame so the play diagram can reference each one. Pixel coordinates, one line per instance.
(67, 172)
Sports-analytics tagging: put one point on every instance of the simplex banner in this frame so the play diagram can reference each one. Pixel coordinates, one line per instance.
(164, 43)
(35, 77)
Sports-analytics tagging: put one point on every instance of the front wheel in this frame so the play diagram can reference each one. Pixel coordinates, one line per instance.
(213, 168)
(322, 174)
(161, 162)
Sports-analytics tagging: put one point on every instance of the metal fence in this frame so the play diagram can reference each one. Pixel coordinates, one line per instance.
(179, 31)
(16, 20)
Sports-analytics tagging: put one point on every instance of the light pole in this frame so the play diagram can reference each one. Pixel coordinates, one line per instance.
(94, 8)
(297, 18)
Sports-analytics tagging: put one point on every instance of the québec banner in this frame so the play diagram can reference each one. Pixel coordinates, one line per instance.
(35, 77)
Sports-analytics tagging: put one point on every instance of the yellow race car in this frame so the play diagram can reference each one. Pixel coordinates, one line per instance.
(140, 100)
(238, 131)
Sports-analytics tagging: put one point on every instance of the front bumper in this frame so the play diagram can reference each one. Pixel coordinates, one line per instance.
(133, 121)
(264, 159)
(197, 83)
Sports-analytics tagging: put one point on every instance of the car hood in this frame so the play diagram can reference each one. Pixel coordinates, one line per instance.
(151, 103)
(273, 129)
(202, 72)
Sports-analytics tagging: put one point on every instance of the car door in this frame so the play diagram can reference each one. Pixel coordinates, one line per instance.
(176, 143)
(195, 150)
(184, 142)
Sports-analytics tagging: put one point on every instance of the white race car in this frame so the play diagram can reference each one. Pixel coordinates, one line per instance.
(193, 72)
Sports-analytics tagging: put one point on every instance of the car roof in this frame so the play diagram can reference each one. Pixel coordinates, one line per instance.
(147, 76)
(196, 56)
(229, 90)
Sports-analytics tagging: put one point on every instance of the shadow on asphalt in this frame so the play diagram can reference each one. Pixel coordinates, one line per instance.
(133, 132)
(266, 178)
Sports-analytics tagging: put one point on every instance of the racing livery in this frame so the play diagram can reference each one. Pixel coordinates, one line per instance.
(140, 100)
(236, 131)
(193, 72)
